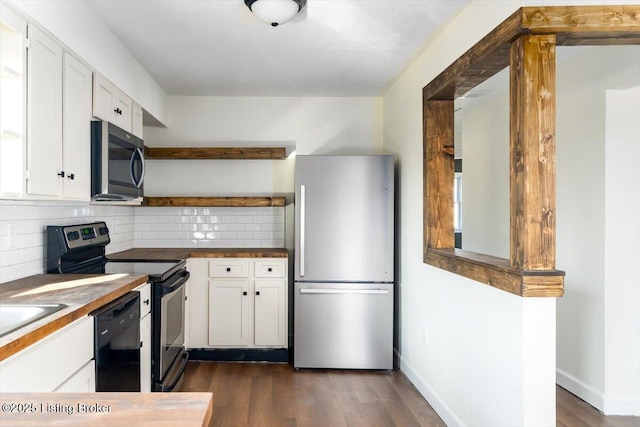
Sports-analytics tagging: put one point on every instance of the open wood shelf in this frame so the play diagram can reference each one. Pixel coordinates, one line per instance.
(215, 202)
(216, 153)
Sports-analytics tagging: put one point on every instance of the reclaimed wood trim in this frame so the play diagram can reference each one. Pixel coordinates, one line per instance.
(184, 253)
(438, 175)
(205, 202)
(532, 146)
(213, 153)
(498, 273)
(573, 25)
(604, 21)
(486, 58)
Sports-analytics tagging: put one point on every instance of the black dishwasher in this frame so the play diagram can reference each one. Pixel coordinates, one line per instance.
(117, 344)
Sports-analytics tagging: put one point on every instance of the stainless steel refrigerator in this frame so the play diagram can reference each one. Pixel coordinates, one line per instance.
(344, 261)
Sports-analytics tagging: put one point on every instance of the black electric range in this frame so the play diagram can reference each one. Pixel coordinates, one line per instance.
(81, 249)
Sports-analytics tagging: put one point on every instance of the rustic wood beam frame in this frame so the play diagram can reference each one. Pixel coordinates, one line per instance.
(526, 42)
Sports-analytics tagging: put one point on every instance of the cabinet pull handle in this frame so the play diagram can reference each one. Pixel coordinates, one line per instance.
(61, 174)
(146, 302)
(118, 111)
(244, 293)
(228, 269)
(258, 293)
(71, 176)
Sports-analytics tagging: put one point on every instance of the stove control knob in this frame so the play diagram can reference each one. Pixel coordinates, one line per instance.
(73, 235)
(103, 231)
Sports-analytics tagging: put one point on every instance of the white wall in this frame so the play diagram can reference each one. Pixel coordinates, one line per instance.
(622, 251)
(485, 176)
(453, 341)
(77, 26)
(592, 247)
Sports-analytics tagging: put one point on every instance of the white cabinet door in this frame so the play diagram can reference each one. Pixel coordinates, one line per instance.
(122, 111)
(145, 353)
(110, 103)
(76, 129)
(13, 32)
(197, 304)
(83, 381)
(145, 336)
(44, 117)
(136, 120)
(270, 313)
(229, 312)
(45, 365)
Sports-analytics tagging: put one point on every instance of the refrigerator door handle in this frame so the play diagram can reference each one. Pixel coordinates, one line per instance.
(303, 197)
(345, 291)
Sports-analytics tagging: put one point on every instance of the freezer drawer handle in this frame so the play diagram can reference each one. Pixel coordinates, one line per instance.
(345, 291)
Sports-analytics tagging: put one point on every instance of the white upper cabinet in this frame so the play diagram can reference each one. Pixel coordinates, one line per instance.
(44, 117)
(110, 103)
(58, 120)
(13, 35)
(76, 129)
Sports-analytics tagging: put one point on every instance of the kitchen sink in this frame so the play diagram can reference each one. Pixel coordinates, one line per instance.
(16, 316)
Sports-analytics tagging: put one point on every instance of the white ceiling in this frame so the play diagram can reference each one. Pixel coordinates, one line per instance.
(332, 48)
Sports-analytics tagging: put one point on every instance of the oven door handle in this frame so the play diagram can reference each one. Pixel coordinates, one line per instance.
(175, 284)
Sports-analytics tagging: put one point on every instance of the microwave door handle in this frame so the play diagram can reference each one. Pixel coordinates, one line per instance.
(137, 153)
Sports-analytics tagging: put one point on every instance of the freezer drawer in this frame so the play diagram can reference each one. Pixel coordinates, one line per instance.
(343, 326)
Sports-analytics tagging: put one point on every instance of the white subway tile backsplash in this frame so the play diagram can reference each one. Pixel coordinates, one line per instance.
(132, 227)
(28, 256)
(211, 227)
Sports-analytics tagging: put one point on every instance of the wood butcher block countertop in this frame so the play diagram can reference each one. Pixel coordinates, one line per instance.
(184, 253)
(106, 409)
(81, 293)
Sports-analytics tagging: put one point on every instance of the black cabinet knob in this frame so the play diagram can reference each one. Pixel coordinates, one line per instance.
(228, 269)
(257, 292)
(71, 176)
(146, 302)
(244, 293)
(61, 174)
(270, 269)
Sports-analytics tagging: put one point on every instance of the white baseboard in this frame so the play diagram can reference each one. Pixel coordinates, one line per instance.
(609, 405)
(440, 406)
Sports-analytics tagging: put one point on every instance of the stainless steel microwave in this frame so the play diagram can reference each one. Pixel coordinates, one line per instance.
(117, 163)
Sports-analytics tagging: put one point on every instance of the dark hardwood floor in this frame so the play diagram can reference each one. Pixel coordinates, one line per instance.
(276, 395)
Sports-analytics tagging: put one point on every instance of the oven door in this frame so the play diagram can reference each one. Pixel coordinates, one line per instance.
(168, 332)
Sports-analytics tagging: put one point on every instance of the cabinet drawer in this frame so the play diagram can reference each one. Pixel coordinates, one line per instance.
(228, 268)
(271, 268)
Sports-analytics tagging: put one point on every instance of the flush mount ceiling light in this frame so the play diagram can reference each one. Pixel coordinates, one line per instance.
(275, 12)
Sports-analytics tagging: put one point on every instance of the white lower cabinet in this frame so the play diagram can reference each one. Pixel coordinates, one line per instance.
(229, 312)
(270, 313)
(145, 336)
(236, 302)
(59, 362)
(83, 381)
